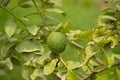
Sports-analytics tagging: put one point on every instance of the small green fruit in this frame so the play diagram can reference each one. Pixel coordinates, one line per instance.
(56, 42)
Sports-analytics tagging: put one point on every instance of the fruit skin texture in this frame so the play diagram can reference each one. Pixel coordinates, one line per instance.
(56, 42)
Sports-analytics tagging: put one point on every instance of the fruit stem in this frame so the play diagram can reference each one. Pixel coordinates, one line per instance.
(62, 61)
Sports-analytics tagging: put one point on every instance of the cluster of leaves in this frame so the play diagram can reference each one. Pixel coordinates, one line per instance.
(102, 50)
(28, 47)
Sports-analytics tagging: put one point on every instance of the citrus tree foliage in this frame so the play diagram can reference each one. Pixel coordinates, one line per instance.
(33, 47)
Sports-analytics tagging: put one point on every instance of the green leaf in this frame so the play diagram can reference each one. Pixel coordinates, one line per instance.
(71, 75)
(49, 68)
(110, 57)
(56, 2)
(2, 72)
(26, 73)
(7, 49)
(25, 3)
(45, 58)
(63, 27)
(27, 57)
(109, 74)
(114, 39)
(10, 28)
(105, 19)
(76, 34)
(116, 56)
(51, 21)
(27, 46)
(33, 29)
(73, 65)
(108, 17)
(118, 74)
(24, 19)
(66, 27)
(37, 73)
(8, 63)
(15, 61)
(118, 4)
(4, 3)
(116, 49)
(56, 10)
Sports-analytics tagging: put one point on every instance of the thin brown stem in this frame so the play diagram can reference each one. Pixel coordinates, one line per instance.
(101, 70)
(42, 16)
(75, 44)
(99, 61)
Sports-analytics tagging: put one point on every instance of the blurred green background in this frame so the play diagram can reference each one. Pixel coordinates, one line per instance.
(81, 13)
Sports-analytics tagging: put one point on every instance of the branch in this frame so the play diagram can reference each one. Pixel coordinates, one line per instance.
(42, 17)
(101, 70)
(75, 44)
(12, 14)
(99, 61)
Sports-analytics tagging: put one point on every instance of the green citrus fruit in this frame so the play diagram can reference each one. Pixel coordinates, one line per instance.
(56, 42)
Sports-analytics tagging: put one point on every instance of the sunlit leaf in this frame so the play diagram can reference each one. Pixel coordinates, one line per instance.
(49, 68)
(108, 17)
(73, 65)
(105, 19)
(25, 19)
(45, 58)
(8, 63)
(33, 29)
(100, 40)
(10, 28)
(58, 27)
(71, 75)
(56, 2)
(116, 56)
(110, 57)
(88, 50)
(56, 10)
(27, 46)
(76, 34)
(114, 40)
(26, 73)
(37, 73)
(66, 27)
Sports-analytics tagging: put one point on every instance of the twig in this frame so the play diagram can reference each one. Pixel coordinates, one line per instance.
(12, 15)
(88, 57)
(14, 7)
(44, 21)
(75, 44)
(101, 70)
(99, 61)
